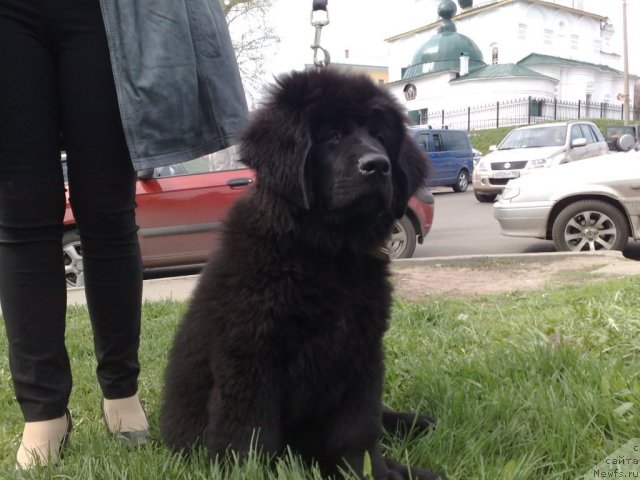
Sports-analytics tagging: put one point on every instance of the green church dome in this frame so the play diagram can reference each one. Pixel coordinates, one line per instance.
(442, 51)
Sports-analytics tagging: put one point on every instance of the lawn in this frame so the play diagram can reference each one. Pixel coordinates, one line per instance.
(536, 385)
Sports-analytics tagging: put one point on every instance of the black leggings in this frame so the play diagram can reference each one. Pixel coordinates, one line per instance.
(55, 77)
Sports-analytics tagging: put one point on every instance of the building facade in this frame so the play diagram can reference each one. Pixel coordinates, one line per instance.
(505, 50)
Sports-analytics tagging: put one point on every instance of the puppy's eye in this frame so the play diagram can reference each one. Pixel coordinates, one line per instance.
(330, 136)
(334, 136)
(379, 137)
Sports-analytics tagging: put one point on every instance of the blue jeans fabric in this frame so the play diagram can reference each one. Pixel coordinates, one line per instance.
(57, 92)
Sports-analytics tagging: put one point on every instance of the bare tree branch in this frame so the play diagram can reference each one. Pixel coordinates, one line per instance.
(252, 36)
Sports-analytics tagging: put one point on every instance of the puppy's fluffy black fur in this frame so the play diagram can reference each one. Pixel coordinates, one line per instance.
(283, 336)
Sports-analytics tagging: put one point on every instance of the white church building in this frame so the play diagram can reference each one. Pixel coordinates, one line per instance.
(508, 62)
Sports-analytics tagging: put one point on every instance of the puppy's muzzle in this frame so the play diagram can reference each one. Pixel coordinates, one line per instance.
(374, 164)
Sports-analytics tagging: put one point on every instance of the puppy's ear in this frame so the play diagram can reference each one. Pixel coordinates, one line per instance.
(276, 146)
(409, 173)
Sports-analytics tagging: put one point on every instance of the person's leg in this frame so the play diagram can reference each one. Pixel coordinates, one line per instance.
(102, 194)
(32, 283)
(32, 280)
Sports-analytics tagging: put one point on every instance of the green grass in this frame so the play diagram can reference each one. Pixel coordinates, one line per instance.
(483, 139)
(536, 385)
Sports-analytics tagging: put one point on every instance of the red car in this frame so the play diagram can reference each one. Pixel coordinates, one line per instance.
(181, 208)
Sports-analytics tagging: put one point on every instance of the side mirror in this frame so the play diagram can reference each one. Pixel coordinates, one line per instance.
(578, 142)
(145, 174)
(493, 148)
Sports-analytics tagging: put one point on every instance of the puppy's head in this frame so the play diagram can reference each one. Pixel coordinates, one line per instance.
(335, 144)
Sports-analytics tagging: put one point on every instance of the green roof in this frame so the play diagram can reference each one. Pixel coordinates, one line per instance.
(442, 52)
(539, 59)
(503, 70)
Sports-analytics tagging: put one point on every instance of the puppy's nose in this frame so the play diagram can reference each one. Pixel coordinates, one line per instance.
(374, 164)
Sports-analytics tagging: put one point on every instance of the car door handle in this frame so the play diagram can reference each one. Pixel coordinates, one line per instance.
(239, 182)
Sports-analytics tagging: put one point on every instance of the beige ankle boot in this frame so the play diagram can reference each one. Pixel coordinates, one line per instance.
(126, 419)
(42, 442)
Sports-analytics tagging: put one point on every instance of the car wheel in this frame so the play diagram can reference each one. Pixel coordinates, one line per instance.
(463, 182)
(402, 243)
(590, 225)
(485, 197)
(72, 253)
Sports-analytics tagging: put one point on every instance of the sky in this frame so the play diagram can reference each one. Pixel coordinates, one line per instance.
(362, 25)
(357, 25)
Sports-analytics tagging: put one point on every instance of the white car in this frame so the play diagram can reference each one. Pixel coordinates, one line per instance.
(589, 205)
(526, 149)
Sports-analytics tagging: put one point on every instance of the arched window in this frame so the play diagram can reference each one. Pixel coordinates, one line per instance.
(494, 55)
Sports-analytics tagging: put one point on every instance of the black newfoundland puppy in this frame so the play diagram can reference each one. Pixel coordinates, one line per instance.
(282, 341)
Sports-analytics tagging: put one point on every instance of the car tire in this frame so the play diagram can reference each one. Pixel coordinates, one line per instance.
(72, 253)
(485, 197)
(590, 225)
(463, 182)
(402, 243)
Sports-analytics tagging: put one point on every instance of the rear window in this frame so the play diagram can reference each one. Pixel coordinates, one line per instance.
(422, 139)
(455, 141)
(443, 141)
(438, 144)
(616, 132)
(588, 134)
(596, 133)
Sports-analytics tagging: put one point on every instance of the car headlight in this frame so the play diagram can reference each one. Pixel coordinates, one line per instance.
(510, 192)
(538, 163)
(482, 166)
(556, 159)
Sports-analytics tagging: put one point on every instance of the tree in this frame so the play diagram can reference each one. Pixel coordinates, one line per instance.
(252, 36)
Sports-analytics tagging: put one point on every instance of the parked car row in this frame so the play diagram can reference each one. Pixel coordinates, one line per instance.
(181, 209)
(578, 205)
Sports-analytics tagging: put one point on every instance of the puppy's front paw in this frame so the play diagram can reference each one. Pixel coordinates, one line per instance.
(402, 423)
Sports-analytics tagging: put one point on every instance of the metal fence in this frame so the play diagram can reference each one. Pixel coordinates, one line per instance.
(524, 111)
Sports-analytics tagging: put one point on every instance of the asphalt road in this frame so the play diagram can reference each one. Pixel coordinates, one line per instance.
(464, 226)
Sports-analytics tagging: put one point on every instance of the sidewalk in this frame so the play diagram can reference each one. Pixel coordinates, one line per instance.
(180, 288)
(172, 288)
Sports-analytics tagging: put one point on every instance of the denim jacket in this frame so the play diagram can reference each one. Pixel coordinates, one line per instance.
(177, 79)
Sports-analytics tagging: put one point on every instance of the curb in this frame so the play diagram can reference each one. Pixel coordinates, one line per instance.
(519, 257)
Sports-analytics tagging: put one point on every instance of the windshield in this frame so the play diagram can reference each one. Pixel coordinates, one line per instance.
(535, 138)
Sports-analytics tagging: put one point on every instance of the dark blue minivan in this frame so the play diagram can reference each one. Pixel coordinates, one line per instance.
(450, 153)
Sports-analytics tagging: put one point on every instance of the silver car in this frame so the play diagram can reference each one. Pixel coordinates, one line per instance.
(534, 147)
(583, 206)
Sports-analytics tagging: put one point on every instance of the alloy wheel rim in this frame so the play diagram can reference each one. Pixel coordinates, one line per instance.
(73, 266)
(462, 182)
(398, 239)
(590, 231)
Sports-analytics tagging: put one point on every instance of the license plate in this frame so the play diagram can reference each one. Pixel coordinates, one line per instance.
(506, 174)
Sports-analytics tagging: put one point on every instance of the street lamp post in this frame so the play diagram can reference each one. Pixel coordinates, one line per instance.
(626, 105)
